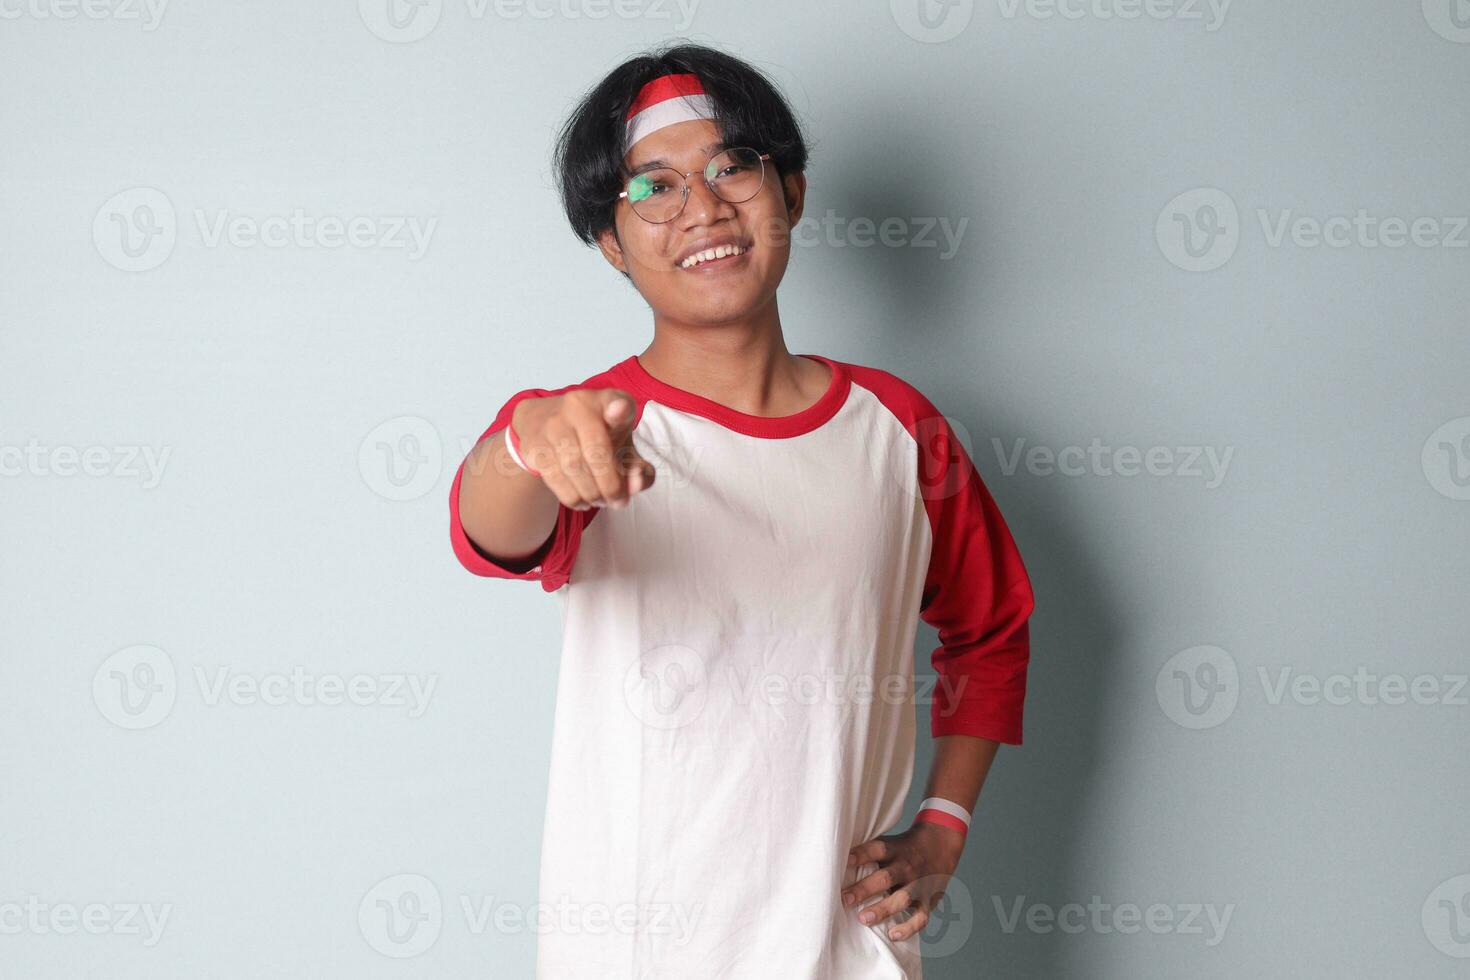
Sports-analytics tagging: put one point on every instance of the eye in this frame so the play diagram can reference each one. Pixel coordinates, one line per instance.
(644, 186)
(641, 188)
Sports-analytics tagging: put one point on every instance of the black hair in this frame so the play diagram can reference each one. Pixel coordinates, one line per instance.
(749, 111)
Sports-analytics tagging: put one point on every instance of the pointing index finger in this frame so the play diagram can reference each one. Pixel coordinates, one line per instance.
(619, 412)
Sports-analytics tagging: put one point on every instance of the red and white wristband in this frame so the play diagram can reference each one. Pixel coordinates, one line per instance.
(944, 813)
(513, 446)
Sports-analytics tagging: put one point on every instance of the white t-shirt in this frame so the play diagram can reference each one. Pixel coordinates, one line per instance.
(736, 705)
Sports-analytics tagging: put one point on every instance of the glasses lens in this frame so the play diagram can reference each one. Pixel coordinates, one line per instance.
(656, 195)
(737, 174)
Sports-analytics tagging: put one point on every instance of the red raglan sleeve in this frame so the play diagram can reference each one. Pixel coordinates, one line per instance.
(554, 561)
(976, 592)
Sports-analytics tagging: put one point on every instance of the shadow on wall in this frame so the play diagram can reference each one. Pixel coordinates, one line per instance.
(1034, 813)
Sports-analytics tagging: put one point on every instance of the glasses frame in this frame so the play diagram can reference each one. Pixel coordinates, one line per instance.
(684, 182)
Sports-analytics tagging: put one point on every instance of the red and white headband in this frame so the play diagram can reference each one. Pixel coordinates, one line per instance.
(666, 100)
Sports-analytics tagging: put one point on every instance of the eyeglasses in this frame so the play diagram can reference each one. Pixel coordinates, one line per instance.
(734, 175)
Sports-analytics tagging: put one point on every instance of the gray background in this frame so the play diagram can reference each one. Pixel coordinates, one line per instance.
(314, 400)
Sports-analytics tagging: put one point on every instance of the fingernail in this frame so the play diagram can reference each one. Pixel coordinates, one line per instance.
(866, 918)
(846, 899)
(893, 934)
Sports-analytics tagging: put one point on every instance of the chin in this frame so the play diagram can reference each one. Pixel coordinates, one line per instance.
(708, 317)
(723, 309)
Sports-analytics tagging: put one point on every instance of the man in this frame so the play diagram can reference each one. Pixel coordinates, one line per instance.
(744, 540)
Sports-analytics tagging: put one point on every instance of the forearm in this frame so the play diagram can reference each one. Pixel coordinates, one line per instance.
(506, 512)
(961, 763)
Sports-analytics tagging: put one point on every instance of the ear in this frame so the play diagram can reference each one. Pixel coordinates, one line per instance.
(794, 188)
(612, 248)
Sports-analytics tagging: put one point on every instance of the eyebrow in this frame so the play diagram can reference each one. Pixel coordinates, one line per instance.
(656, 164)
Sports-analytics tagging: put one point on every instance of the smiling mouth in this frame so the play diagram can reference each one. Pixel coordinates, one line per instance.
(721, 256)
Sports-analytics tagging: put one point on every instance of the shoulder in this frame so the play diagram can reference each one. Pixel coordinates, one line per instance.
(900, 397)
(612, 377)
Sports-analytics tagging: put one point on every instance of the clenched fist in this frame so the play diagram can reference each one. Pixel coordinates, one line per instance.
(581, 444)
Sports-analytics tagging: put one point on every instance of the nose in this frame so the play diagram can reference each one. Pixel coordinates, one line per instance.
(704, 206)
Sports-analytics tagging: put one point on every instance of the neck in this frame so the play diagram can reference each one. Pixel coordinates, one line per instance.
(743, 364)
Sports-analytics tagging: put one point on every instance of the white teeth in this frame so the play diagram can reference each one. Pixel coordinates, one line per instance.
(718, 252)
